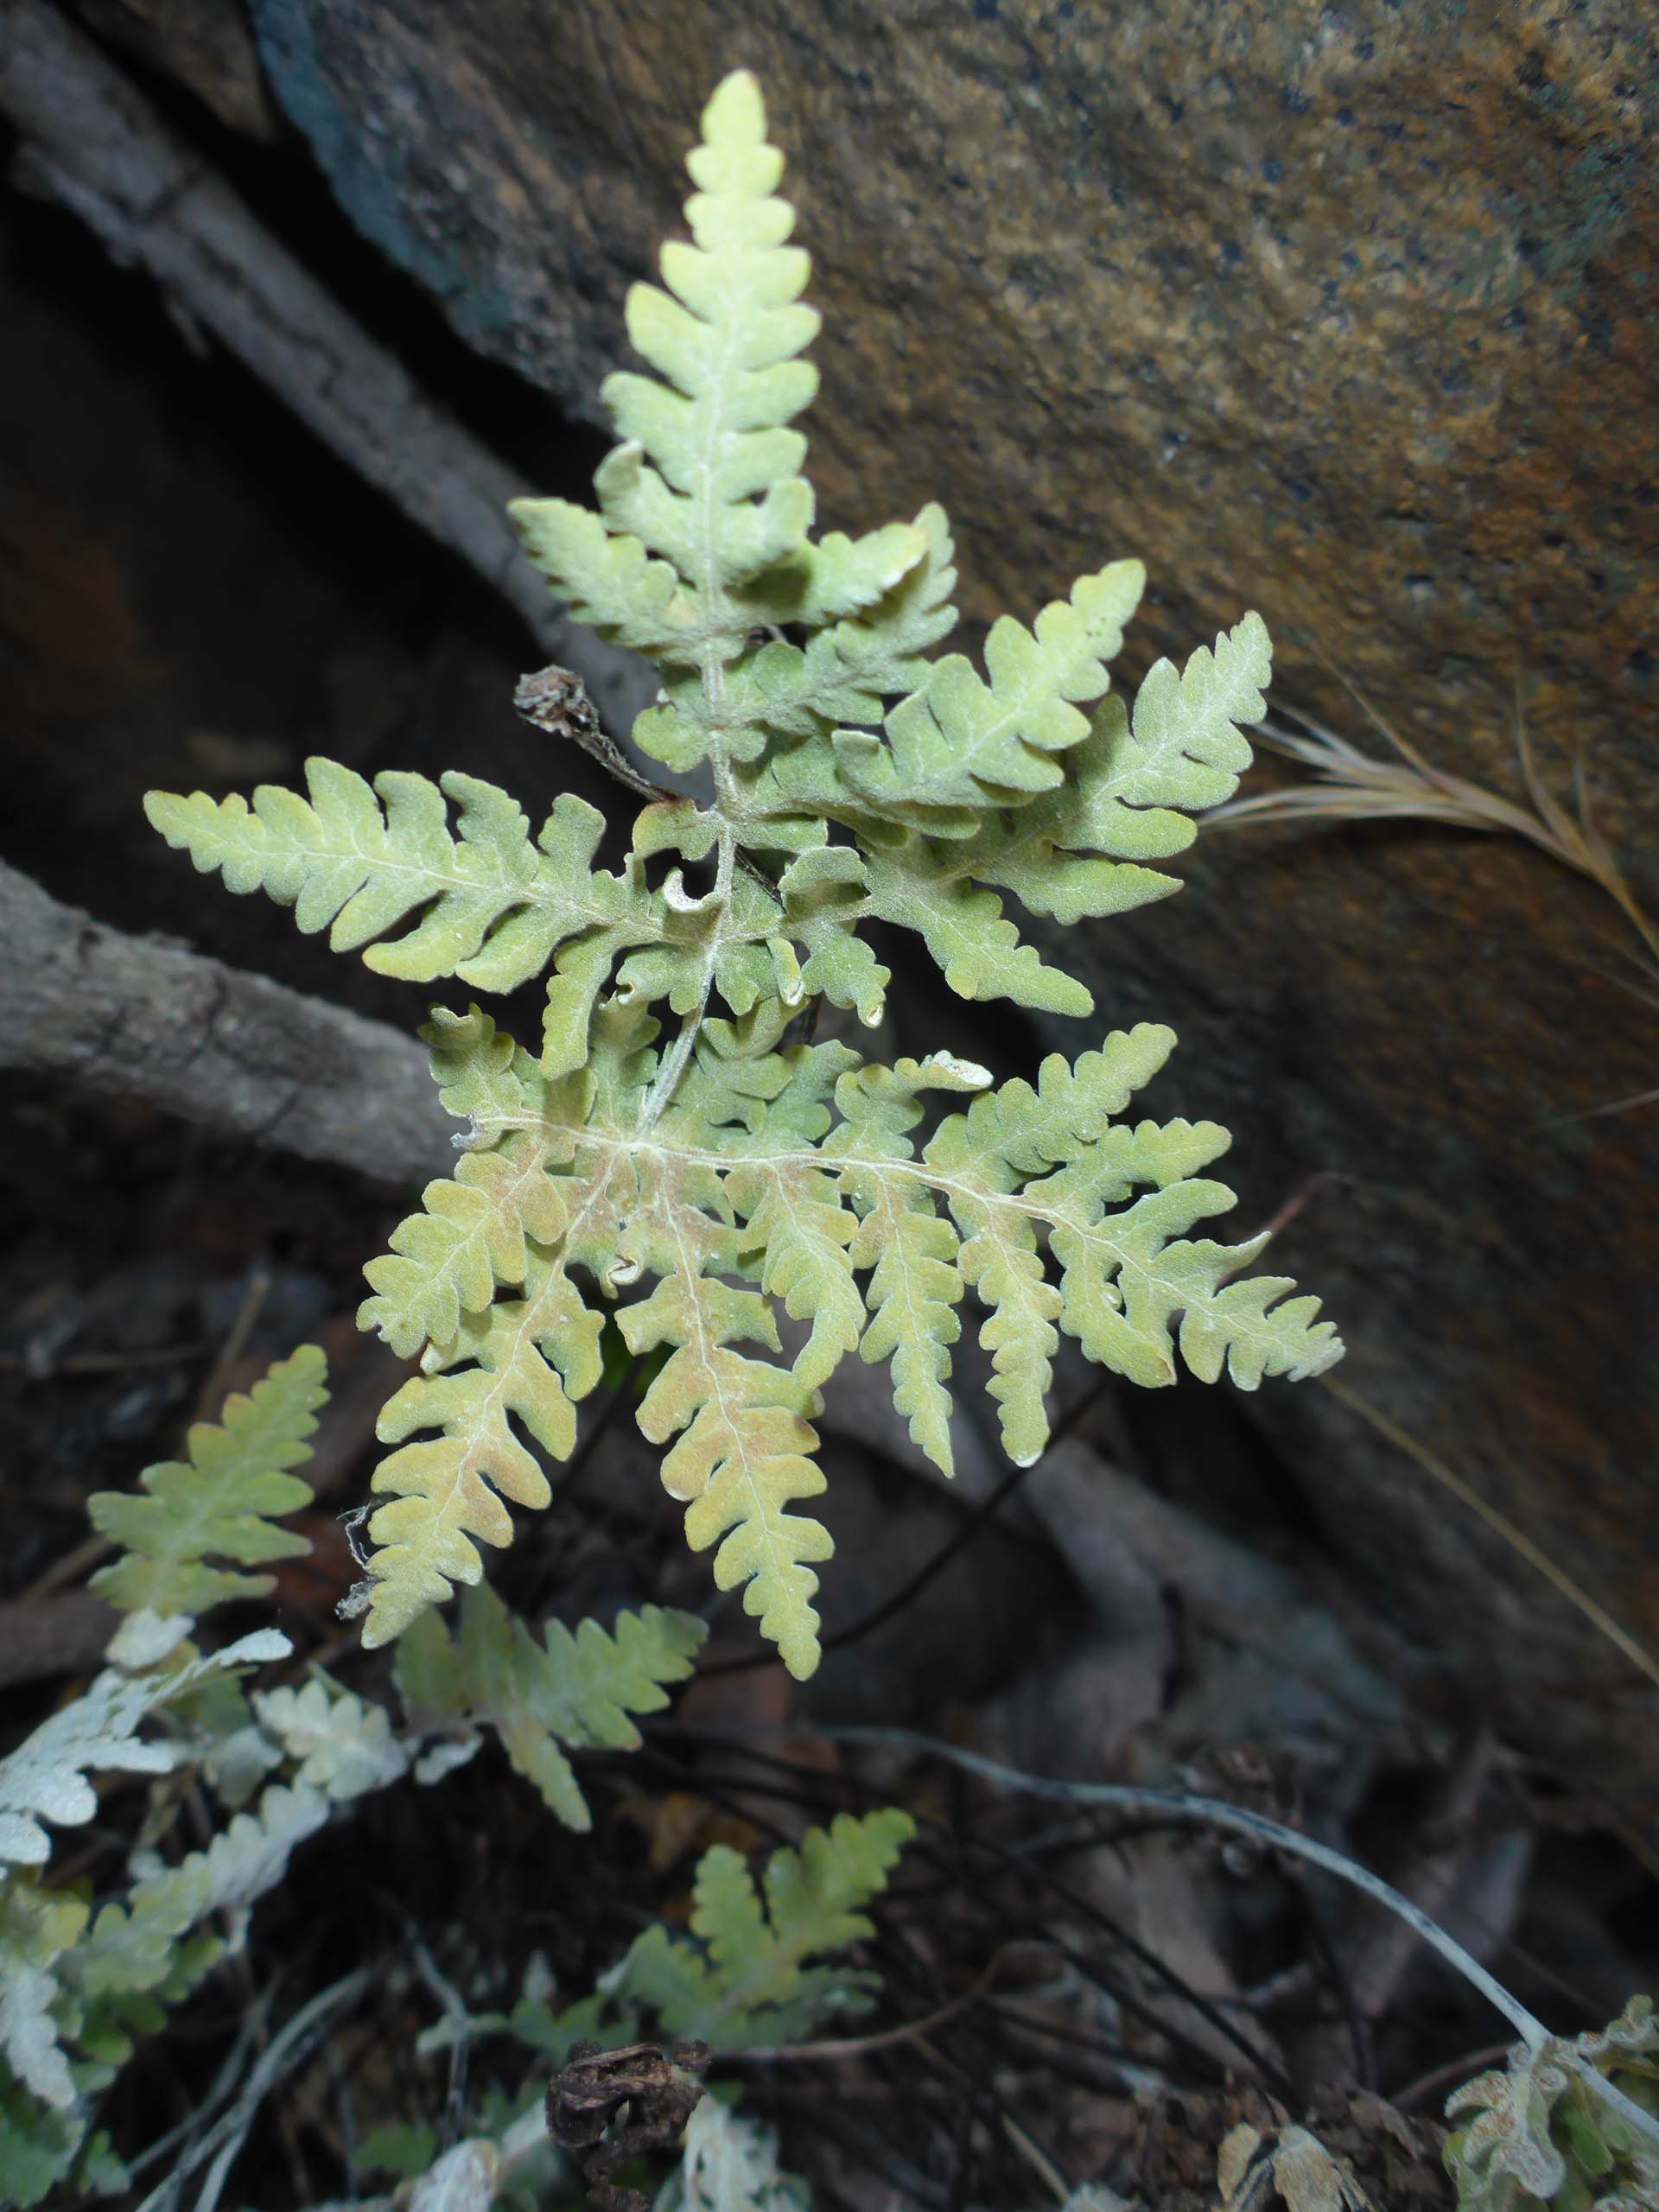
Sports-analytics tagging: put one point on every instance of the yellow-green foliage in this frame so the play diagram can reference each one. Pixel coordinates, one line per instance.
(741, 1977)
(537, 1693)
(667, 1149)
(219, 1505)
(81, 1979)
(1538, 2135)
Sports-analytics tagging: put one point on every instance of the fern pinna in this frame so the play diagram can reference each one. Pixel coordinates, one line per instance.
(674, 1147)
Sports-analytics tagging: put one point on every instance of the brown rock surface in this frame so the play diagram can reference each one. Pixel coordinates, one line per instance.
(1349, 314)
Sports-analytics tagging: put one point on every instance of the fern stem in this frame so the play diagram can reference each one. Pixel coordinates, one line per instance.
(675, 1059)
(1212, 1812)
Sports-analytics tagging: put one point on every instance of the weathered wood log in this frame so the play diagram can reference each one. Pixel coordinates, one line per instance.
(126, 1017)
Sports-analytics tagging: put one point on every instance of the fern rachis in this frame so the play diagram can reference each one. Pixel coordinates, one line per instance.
(667, 1150)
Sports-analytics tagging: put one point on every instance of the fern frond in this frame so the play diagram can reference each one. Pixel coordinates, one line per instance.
(36, 1928)
(134, 1945)
(575, 1690)
(75, 1989)
(1074, 852)
(707, 473)
(359, 860)
(707, 476)
(795, 1172)
(742, 1978)
(744, 1454)
(45, 1778)
(222, 1504)
(1537, 2133)
(1079, 851)
(341, 1745)
(854, 782)
(526, 1360)
(964, 742)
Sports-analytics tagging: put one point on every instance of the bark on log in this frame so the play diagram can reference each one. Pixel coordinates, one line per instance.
(94, 143)
(117, 1016)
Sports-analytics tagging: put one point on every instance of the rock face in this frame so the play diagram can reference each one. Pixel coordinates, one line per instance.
(1348, 313)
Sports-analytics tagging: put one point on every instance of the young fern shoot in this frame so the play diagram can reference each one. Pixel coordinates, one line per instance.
(666, 1152)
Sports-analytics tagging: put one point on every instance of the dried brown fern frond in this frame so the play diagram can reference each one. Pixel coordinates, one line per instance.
(1355, 785)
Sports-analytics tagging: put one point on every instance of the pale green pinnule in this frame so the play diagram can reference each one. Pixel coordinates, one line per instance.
(45, 1778)
(1187, 750)
(608, 579)
(492, 906)
(742, 1977)
(1535, 2136)
(222, 1504)
(840, 677)
(708, 473)
(977, 948)
(577, 1691)
(341, 1745)
(962, 741)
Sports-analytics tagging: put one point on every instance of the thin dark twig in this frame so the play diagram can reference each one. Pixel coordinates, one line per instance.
(1201, 2005)
(931, 1568)
(1139, 2008)
(1359, 2033)
(1448, 2076)
(564, 1489)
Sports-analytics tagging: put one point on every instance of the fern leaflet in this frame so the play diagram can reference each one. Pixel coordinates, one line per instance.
(741, 1978)
(563, 1689)
(223, 1503)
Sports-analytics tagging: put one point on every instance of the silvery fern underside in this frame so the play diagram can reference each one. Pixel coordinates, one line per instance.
(672, 1152)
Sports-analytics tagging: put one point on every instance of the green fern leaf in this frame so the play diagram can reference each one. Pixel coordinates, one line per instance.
(978, 951)
(222, 1504)
(796, 1173)
(743, 1456)
(909, 1249)
(1079, 851)
(708, 475)
(961, 741)
(846, 671)
(742, 1978)
(134, 1945)
(35, 1929)
(576, 1691)
(488, 905)
(45, 1778)
(608, 581)
(854, 782)
(1074, 852)
(341, 1745)
(525, 1360)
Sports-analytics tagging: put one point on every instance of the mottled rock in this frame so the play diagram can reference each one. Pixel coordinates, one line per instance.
(1348, 313)
(206, 44)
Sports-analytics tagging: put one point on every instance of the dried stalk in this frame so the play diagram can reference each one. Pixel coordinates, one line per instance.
(1357, 786)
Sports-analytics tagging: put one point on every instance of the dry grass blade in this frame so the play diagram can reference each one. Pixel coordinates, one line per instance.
(1620, 1638)
(1357, 786)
